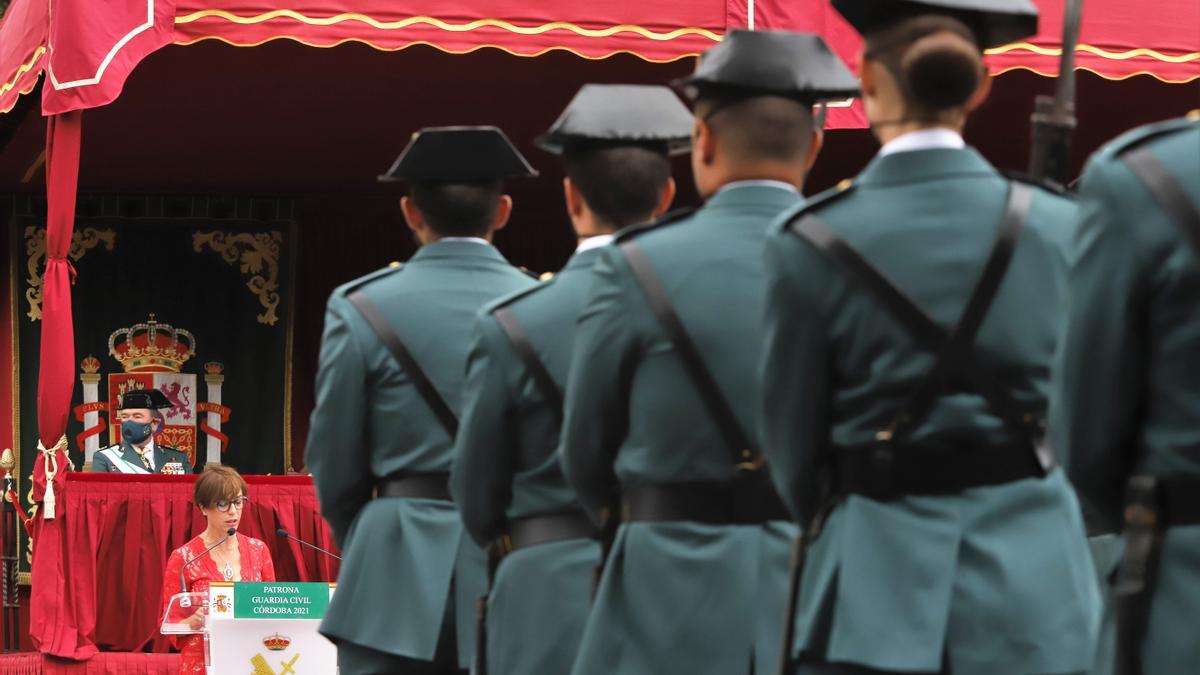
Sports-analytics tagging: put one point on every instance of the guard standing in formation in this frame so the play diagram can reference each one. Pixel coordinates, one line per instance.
(614, 141)
(910, 330)
(141, 417)
(392, 367)
(661, 382)
(1130, 384)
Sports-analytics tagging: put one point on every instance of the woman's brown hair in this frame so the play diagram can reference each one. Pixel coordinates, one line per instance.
(218, 483)
(935, 60)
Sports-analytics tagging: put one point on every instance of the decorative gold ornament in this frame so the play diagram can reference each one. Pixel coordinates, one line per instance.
(82, 241)
(90, 364)
(259, 257)
(151, 347)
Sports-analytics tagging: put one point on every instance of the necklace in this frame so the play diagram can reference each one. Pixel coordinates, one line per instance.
(226, 571)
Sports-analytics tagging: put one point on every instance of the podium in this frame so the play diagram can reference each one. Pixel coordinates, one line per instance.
(262, 628)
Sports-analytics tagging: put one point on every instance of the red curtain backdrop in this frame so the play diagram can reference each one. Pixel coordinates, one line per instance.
(49, 628)
(103, 664)
(116, 533)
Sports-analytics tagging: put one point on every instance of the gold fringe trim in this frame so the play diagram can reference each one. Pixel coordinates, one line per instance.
(1098, 51)
(406, 45)
(1097, 73)
(24, 68)
(445, 25)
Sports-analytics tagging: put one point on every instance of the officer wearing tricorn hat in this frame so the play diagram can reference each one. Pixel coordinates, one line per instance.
(137, 452)
(658, 401)
(391, 373)
(615, 142)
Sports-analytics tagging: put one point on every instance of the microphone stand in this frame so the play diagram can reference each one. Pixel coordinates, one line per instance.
(284, 533)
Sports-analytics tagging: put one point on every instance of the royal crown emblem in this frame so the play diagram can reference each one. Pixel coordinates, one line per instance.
(151, 347)
(276, 642)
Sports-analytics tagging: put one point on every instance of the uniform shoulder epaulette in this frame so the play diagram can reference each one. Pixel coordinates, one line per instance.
(1045, 183)
(821, 199)
(1142, 135)
(666, 219)
(358, 283)
(506, 300)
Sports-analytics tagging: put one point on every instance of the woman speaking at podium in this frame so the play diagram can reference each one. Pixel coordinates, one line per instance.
(220, 493)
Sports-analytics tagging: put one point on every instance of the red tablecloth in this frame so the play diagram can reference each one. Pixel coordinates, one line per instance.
(118, 531)
(103, 664)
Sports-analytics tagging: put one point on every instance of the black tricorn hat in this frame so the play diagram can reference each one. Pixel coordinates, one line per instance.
(458, 155)
(994, 22)
(622, 114)
(771, 63)
(143, 398)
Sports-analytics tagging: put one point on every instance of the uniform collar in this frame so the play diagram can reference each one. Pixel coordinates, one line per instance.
(593, 242)
(753, 195)
(473, 240)
(924, 165)
(757, 182)
(923, 139)
(457, 248)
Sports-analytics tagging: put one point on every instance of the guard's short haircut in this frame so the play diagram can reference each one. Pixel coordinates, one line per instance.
(458, 209)
(622, 184)
(218, 483)
(772, 128)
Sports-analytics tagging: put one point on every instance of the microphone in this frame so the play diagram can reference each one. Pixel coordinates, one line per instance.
(284, 533)
(183, 584)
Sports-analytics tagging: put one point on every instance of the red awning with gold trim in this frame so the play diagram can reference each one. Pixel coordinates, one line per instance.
(87, 56)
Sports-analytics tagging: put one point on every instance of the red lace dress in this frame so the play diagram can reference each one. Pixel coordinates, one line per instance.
(256, 566)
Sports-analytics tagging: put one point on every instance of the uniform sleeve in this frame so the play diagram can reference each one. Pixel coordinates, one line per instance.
(187, 465)
(794, 377)
(337, 451)
(603, 360)
(481, 479)
(100, 463)
(1100, 356)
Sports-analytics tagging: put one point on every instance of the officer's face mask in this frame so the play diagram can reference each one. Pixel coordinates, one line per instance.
(135, 432)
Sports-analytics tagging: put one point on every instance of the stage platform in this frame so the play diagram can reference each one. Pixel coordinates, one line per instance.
(104, 663)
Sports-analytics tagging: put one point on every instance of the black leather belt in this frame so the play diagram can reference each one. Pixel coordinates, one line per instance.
(534, 530)
(1180, 499)
(882, 471)
(748, 500)
(416, 486)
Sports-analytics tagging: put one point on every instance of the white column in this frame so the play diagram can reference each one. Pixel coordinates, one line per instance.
(91, 394)
(213, 378)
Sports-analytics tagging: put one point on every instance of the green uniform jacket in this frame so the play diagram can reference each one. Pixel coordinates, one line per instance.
(997, 579)
(676, 597)
(162, 455)
(506, 468)
(1130, 369)
(370, 422)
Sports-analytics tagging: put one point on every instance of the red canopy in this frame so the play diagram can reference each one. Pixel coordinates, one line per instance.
(92, 53)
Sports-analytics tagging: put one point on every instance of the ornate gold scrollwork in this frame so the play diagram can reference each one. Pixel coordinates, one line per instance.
(82, 241)
(259, 257)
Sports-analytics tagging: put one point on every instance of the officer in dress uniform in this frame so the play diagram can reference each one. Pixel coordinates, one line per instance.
(660, 389)
(910, 330)
(137, 452)
(614, 141)
(392, 366)
(1130, 391)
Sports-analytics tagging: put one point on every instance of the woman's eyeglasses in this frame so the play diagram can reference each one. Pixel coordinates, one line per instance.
(240, 502)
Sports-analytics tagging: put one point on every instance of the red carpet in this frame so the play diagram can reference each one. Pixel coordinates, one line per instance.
(104, 663)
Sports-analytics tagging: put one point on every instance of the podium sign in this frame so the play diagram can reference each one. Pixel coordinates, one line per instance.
(269, 628)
